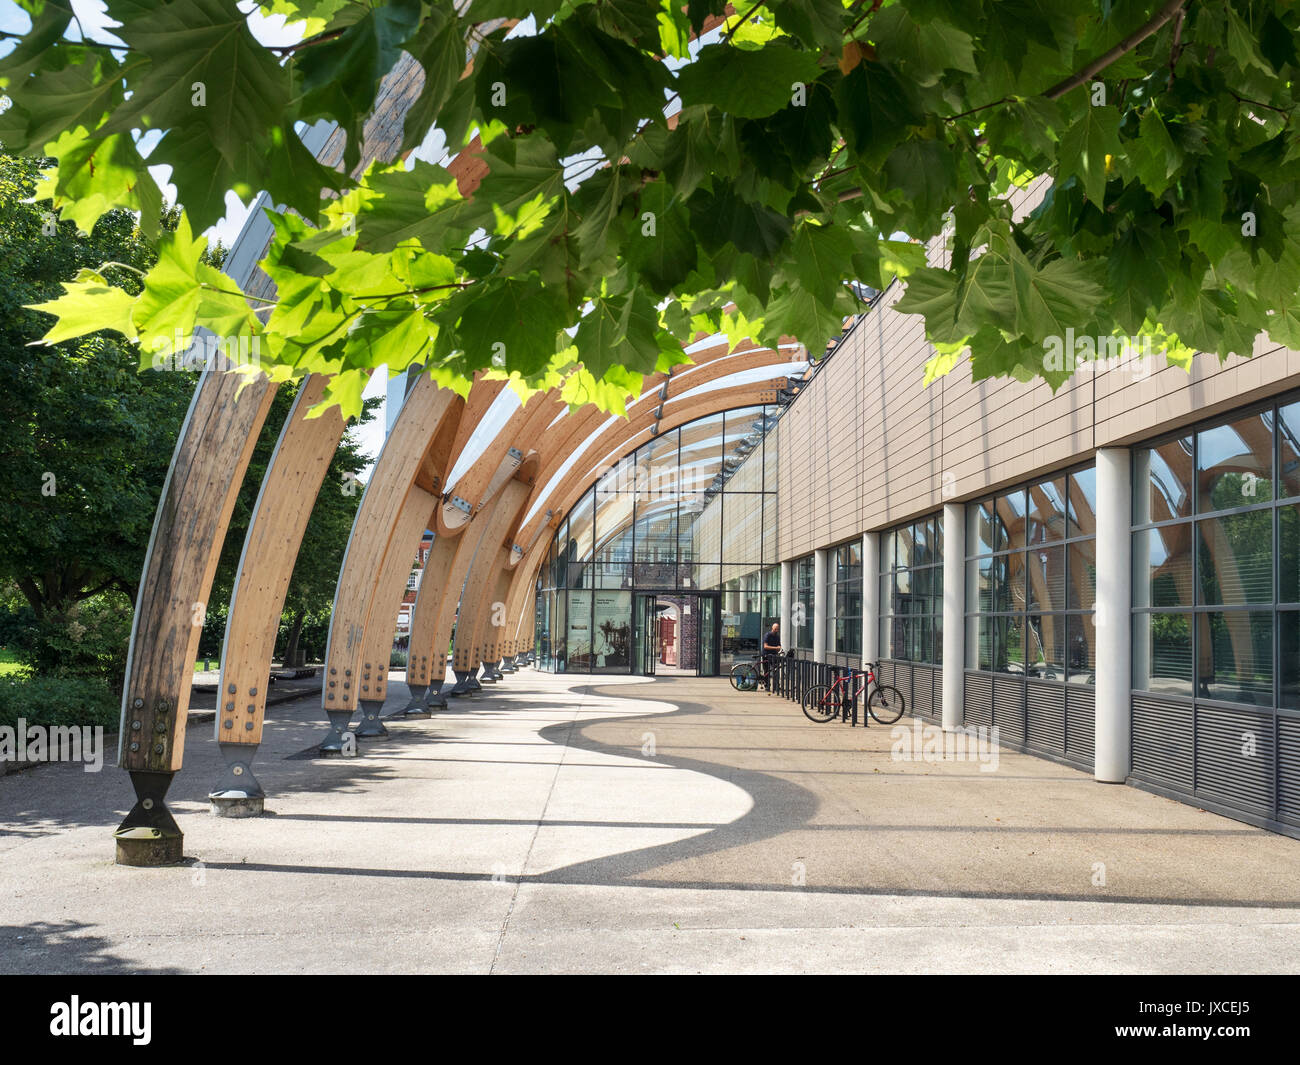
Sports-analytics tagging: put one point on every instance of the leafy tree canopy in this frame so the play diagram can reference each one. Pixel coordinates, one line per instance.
(806, 138)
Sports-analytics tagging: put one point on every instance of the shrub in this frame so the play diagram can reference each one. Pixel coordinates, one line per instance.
(397, 658)
(89, 639)
(58, 701)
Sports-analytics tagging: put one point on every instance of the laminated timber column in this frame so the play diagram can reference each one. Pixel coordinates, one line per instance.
(1113, 739)
(478, 602)
(411, 461)
(212, 453)
(426, 667)
(284, 506)
(377, 644)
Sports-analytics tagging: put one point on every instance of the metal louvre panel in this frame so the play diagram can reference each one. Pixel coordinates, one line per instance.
(903, 676)
(1081, 723)
(1288, 768)
(923, 694)
(888, 673)
(1235, 757)
(979, 699)
(1045, 717)
(1009, 707)
(1162, 741)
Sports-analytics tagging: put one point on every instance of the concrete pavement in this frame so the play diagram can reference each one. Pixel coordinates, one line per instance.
(617, 824)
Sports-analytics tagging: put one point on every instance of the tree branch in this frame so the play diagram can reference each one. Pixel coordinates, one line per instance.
(1168, 11)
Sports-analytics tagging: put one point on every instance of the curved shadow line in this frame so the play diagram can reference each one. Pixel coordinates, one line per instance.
(797, 804)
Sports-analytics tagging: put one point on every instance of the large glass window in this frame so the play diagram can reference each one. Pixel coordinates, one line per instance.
(844, 599)
(911, 591)
(1216, 560)
(688, 511)
(1031, 580)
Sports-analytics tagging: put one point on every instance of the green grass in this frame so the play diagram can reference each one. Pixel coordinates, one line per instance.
(9, 664)
(198, 666)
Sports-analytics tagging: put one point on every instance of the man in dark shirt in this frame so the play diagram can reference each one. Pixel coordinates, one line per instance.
(771, 648)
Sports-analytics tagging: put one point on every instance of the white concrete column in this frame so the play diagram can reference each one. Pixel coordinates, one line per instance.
(820, 567)
(1114, 599)
(787, 605)
(870, 597)
(954, 615)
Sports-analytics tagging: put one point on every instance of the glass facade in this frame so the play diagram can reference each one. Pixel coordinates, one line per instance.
(1216, 561)
(911, 592)
(1031, 580)
(844, 599)
(692, 512)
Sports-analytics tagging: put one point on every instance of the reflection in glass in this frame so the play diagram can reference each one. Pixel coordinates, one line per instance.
(1235, 463)
(1235, 656)
(1047, 511)
(1162, 481)
(1288, 623)
(1288, 451)
(1046, 639)
(1046, 570)
(1162, 566)
(1081, 593)
(1011, 512)
(1008, 644)
(1288, 554)
(1083, 503)
(1236, 558)
(1080, 649)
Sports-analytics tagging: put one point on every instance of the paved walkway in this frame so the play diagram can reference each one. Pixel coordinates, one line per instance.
(632, 825)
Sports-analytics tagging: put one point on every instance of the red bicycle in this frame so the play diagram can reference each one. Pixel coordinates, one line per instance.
(826, 702)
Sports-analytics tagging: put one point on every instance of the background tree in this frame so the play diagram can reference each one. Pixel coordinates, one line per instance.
(88, 439)
(809, 140)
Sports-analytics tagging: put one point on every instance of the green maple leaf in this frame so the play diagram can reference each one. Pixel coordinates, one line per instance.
(95, 176)
(222, 142)
(922, 51)
(748, 84)
(88, 304)
(619, 331)
(511, 324)
(1084, 147)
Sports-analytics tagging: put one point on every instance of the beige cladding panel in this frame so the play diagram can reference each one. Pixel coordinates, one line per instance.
(866, 446)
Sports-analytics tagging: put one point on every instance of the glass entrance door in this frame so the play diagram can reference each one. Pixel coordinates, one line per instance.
(647, 634)
(708, 657)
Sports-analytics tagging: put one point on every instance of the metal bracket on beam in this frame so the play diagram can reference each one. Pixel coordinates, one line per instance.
(663, 391)
(461, 505)
(516, 454)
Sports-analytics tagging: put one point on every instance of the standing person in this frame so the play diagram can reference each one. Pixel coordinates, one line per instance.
(771, 648)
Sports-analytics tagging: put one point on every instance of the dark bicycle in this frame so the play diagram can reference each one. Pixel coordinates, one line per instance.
(826, 702)
(749, 675)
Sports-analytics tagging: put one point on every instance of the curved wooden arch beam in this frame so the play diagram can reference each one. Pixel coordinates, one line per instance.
(377, 644)
(714, 363)
(475, 601)
(625, 436)
(411, 460)
(284, 506)
(498, 461)
(432, 617)
(212, 453)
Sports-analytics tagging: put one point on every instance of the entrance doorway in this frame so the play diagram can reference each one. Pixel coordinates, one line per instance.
(677, 635)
